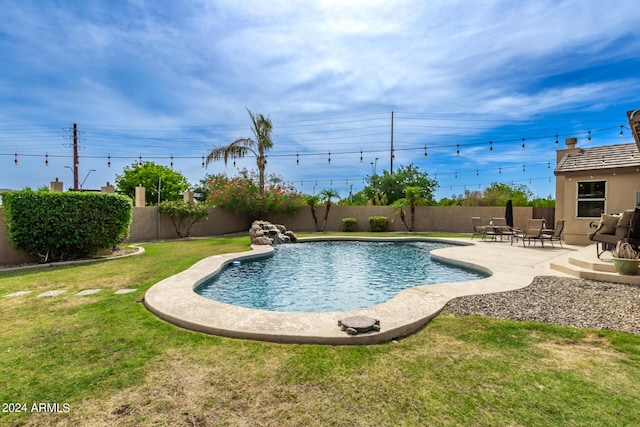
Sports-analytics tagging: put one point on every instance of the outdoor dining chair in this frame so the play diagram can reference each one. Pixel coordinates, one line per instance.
(555, 234)
(478, 228)
(533, 231)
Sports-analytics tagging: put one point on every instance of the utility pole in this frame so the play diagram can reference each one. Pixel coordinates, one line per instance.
(75, 157)
(392, 155)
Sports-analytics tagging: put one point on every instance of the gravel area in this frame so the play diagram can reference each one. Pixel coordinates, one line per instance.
(565, 301)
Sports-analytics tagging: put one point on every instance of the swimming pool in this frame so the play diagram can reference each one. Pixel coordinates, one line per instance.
(331, 276)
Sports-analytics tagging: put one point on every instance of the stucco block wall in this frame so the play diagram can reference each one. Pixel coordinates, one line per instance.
(428, 218)
(8, 254)
(144, 226)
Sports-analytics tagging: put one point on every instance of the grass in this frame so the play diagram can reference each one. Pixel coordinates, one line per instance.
(116, 364)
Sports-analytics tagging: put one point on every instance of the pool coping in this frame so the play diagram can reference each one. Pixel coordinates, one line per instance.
(174, 299)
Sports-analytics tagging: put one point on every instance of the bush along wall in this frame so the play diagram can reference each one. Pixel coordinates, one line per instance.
(378, 223)
(65, 226)
(349, 224)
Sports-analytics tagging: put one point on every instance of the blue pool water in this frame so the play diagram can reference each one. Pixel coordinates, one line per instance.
(331, 276)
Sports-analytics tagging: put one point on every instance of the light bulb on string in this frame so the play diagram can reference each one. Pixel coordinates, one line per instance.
(477, 173)
(621, 134)
(548, 165)
(490, 146)
(329, 160)
(456, 175)
(425, 151)
(523, 142)
(171, 161)
(15, 159)
(556, 139)
(203, 162)
(589, 137)
(46, 159)
(109, 161)
(499, 171)
(457, 149)
(140, 159)
(297, 159)
(523, 169)
(360, 156)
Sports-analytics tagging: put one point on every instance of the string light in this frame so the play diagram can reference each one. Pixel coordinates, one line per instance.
(457, 149)
(15, 159)
(172, 161)
(589, 138)
(360, 156)
(621, 134)
(523, 169)
(297, 159)
(425, 151)
(202, 162)
(556, 139)
(490, 146)
(140, 159)
(329, 157)
(523, 142)
(46, 159)
(109, 161)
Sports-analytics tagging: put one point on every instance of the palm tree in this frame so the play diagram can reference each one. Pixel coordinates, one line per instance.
(411, 198)
(313, 201)
(326, 195)
(261, 129)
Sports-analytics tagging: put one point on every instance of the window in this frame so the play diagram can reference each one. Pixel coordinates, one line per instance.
(591, 198)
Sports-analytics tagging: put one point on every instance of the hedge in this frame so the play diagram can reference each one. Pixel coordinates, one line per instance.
(378, 223)
(64, 226)
(349, 224)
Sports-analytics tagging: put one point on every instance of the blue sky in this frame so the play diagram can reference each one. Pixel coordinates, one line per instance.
(154, 79)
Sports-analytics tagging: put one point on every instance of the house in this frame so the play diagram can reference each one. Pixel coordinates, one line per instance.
(595, 180)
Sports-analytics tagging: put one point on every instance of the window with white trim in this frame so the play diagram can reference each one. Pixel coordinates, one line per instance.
(591, 198)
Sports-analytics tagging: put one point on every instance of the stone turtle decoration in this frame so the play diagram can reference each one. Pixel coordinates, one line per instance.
(355, 325)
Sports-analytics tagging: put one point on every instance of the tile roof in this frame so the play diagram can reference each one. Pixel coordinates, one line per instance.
(598, 158)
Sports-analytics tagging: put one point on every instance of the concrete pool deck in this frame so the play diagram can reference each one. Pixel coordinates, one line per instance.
(511, 266)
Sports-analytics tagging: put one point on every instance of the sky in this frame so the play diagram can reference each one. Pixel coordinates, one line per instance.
(471, 92)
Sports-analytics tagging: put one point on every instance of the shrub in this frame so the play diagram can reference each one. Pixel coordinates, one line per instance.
(64, 226)
(349, 224)
(183, 215)
(378, 223)
(241, 194)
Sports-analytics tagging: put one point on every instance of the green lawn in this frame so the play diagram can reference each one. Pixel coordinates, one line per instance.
(114, 363)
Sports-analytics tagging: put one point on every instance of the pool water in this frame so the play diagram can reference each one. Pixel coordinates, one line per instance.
(331, 276)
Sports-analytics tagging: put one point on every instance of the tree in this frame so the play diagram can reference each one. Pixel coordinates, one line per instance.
(325, 196)
(411, 199)
(172, 184)
(391, 185)
(241, 194)
(183, 215)
(313, 201)
(261, 128)
(496, 194)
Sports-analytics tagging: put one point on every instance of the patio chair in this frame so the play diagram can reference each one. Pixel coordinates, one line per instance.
(478, 228)
(533, 231)
(555, 234)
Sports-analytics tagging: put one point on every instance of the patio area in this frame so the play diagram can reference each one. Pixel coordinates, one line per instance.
(512, 267)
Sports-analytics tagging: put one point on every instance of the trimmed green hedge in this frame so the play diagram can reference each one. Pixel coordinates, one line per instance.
(349, 224)
(378, 223)
(64, 226)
